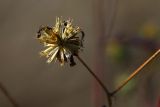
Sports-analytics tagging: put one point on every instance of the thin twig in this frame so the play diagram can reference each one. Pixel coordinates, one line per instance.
(98, 80)
(135, 73)
(100, 10)
(6, 93)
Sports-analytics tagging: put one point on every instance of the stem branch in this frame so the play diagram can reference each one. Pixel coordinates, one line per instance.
(4, 90)
(135, 73)
(98, 80)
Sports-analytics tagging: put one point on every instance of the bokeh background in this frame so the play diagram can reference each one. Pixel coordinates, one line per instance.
(120, 35)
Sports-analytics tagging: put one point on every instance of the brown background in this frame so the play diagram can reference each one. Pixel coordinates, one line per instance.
(33, 83)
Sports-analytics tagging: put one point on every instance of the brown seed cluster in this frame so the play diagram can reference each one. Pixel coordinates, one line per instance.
(62, 42)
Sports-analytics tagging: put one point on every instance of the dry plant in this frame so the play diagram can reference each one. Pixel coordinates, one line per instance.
(64, 41)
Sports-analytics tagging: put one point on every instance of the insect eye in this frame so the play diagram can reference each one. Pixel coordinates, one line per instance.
(65, 23)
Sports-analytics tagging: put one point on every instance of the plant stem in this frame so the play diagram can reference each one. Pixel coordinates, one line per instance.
(98, 80)
(135, 73)
(6, 93)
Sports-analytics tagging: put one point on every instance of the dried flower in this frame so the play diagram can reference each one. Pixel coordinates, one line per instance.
(62, 42)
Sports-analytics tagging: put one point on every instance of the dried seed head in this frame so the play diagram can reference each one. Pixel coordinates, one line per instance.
(62, 42)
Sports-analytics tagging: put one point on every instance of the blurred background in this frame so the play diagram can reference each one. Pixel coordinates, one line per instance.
(120, 35)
